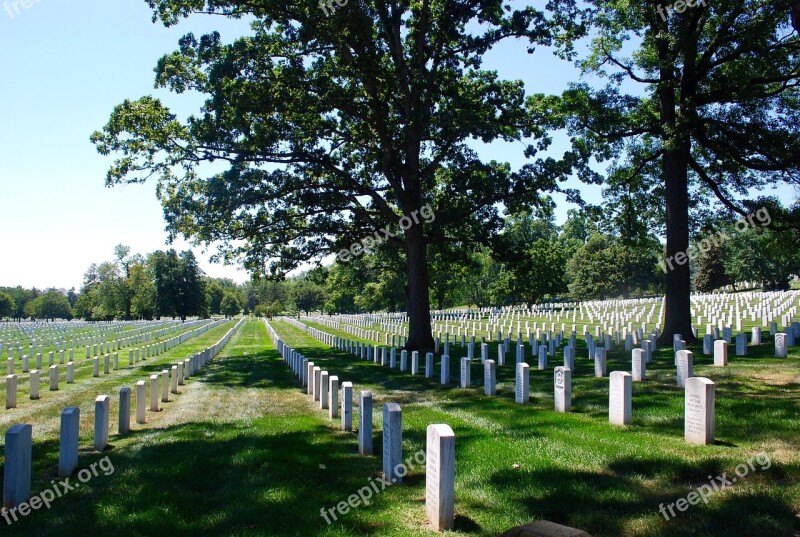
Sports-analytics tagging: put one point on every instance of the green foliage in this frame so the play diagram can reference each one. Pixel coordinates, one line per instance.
(50, 305)
(7, 305)
(331, 135)
(20, 298)
(231, 304)
(711, 273)
(179, 284)
(533, 260)
(307, 295)
(763, 255)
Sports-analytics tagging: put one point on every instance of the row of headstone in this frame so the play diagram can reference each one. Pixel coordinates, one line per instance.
(321, 385)
(18, 439)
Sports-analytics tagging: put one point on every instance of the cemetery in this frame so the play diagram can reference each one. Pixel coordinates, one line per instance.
(416, 269)
(318, 407)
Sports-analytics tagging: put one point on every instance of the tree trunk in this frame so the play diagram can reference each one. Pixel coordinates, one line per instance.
(677, 311)
(420, 337)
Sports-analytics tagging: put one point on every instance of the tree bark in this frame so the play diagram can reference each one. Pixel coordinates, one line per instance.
(420, 337)
(677, 311)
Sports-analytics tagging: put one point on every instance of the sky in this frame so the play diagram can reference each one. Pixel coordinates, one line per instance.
(64, 65)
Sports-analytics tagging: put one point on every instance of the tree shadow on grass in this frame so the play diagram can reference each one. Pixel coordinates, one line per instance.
(615, 502)
(269, 479)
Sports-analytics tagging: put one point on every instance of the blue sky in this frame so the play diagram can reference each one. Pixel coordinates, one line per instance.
(64, 65)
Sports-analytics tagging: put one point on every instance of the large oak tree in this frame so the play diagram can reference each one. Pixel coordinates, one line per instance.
(703, 98)
(333, 126)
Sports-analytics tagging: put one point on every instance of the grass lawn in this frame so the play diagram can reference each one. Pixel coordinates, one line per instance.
(243, 451)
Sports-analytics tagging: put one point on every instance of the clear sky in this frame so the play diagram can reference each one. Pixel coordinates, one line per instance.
(64, 65)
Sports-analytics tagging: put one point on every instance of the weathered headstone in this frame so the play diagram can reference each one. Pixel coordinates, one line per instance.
(741, 346)
(17, 465)
(393, 443)
(569, 357)
(68, 448)
(699, 415)
(365, 422)
(489, 377)
(600, 362)
(124, 410)
(685, 365)
(708, 344)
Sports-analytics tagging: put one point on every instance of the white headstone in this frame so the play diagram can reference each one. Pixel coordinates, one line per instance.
(54, 378)
(324, 384)
(638, 363)
(333, 397)
(619, 398)
(685, 365)
(562, 380)
(440, 477)
(522, 392)
(699, 413)
(393, 443)
(68, 450)
(101, 409)
(17, 465)
(445, 369)
(347, 406)
(141, 401)
(465, 372)
(599, 362)
(780, 345)
(489, 377)
(33, 382)
(154, 407)
(720, 353)
(124, 410)
(569, 357)
(365, 422)
(11, 391)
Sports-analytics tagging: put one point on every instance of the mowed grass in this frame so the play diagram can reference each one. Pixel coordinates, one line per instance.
(243, 451)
